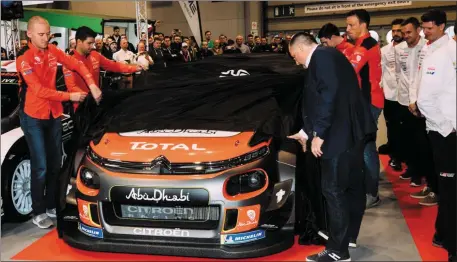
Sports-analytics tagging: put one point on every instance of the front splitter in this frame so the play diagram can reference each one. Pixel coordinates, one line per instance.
(274, 242)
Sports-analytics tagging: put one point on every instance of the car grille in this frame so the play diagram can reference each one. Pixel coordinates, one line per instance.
(164, 217)
(177, 168)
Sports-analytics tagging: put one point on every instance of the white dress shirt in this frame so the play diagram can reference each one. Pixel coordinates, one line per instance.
(437, 87)
(308, 60)
(406, 67)
(124, 55)
(143, 61)
(389, 78)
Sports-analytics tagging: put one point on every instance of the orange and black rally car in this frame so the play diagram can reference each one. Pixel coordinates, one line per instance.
(203, 193)
(173, 172)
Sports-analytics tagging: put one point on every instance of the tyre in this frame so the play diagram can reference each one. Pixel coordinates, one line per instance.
(16, 194)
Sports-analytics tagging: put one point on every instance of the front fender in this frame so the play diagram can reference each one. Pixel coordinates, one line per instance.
(9, 139)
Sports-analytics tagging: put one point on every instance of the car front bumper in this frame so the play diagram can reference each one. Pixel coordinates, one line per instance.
(274, 242)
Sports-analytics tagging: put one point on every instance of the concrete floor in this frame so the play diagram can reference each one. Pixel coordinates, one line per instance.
(384, 234)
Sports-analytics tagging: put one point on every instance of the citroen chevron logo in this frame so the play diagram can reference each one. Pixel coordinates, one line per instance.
(161, 161)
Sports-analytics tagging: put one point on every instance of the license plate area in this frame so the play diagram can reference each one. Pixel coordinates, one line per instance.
(161, 213)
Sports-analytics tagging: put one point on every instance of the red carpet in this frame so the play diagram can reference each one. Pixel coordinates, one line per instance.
(420, 219)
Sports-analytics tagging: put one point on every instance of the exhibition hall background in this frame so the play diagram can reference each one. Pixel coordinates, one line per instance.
(256, 17)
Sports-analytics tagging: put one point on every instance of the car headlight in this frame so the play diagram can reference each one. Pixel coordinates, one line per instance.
(246, 182)
(89, 178)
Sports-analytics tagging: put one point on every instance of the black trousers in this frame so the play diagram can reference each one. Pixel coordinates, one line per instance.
(393, 123)
(416, 149)
(344, 191)
(310, 213)
(444, 155)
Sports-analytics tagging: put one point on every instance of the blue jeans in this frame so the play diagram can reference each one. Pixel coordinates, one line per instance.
(44, 139)
(371, 159)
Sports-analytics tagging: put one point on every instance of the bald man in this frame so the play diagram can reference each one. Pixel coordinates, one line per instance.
(40, 113)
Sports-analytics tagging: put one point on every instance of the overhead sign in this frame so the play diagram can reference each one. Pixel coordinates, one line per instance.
(284, 11)
(190, 10)
(347, 6)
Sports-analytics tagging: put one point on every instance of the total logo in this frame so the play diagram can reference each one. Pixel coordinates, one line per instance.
(164, 146)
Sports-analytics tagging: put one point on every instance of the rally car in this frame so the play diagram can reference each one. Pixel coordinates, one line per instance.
(15, 159)
(204, 193)
(162, 179)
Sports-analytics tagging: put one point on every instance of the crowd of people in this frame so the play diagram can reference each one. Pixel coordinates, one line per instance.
(412, 79)
(159, 50)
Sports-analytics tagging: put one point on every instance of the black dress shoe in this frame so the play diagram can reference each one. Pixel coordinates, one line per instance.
(437, 242)
(384, 149)
(396, 165)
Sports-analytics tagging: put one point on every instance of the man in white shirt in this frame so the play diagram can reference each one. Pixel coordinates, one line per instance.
(437, 103)
(390, 88)
(124, 55)
(143, 58)
(415, 145)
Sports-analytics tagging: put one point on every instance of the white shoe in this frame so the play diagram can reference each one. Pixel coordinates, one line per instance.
(42, 221)
(51, 213)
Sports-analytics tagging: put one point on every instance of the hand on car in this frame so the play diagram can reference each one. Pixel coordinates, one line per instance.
(77, 96)
(300, 140)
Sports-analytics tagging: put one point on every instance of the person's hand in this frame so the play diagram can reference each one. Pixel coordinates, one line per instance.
(316, 146)
(413, 109)
(77, 96)
(139, 68)
(96, 93)
(300, 140)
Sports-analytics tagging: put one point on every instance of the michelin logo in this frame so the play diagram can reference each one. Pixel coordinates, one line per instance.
(90, 231)
(242, 237)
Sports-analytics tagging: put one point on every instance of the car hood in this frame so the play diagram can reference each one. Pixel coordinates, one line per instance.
(178, 146)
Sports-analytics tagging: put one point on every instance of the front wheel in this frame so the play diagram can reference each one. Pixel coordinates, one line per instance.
(16, 191)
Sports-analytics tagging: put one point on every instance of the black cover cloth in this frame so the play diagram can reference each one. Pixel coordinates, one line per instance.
(258, 92)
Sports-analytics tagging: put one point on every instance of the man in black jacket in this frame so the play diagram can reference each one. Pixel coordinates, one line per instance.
(336, 120)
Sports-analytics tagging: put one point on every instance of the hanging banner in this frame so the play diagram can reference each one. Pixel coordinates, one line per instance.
(347, 6)
(191, 12)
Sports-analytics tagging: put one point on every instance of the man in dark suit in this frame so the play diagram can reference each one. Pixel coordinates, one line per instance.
(336, 121)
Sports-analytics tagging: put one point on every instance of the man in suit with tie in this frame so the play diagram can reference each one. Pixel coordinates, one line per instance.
(336, 122)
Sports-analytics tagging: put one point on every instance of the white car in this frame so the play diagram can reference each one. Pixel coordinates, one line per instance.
(16, 204)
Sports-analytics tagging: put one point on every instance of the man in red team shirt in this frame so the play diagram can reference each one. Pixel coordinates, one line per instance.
(329, 35)
(40, 113)
(368, 56)
(85, 39)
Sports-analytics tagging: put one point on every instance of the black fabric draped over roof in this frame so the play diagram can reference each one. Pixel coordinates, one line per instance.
(264, 98)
